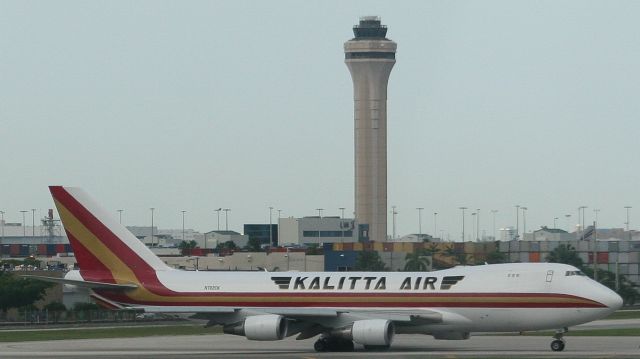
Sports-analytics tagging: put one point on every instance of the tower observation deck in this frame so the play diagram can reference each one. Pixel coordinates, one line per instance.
(370, 56)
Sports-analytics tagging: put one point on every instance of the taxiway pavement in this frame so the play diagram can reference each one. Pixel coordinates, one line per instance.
(404, 346)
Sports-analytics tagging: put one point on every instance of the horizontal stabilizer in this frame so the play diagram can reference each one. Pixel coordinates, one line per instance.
(83, 283)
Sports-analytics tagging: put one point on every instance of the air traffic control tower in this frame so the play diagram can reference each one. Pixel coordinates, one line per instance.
(370, 56)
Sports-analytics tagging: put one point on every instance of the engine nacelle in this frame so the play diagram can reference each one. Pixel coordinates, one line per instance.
(372, 332)
(260, 327)
(451, 335)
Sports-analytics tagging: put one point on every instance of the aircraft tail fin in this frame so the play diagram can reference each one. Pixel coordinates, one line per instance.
(105, 250)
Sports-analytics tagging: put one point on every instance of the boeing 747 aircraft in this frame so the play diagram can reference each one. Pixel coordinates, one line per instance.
(367, 308)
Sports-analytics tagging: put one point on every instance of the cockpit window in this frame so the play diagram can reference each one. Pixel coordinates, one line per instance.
(574, 272)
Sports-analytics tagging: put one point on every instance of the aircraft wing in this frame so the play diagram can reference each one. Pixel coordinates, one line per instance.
(83, 283)
(422, 316)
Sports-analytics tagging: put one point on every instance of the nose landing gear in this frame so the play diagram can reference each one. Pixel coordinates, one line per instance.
(557, 345)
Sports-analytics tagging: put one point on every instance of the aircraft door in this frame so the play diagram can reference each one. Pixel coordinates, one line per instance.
(549, 276)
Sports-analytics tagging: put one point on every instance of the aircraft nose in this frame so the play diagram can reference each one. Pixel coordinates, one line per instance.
(612, 300)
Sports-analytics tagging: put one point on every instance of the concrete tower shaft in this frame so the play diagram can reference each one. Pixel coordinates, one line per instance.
(370, 56)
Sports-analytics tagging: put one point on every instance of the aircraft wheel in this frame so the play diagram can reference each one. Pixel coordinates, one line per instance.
(557, 345)
(321, 345)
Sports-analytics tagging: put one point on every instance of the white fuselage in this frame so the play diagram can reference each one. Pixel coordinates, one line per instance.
(505, 297)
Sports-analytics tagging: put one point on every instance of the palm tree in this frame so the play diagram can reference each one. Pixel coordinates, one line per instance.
(565, 254)
(418, 261)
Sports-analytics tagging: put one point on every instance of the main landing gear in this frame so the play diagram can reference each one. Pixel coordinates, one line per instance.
(557, 345)
(333, 344)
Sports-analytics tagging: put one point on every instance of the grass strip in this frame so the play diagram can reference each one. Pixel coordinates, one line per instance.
(622, 332)
(99, 333)
(625, 314)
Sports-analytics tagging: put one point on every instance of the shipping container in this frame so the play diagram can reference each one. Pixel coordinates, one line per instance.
(535, 246)
(624, 246)
(60, 248)
(14, 250)
(337, 247)
(378, 246)
(623, 257)
(603, 257)
(24, 250)
(524, 257)
(42, 250)
(534, 257)
(356, 246)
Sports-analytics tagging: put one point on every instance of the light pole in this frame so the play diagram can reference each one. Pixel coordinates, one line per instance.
(419, 222)
(463, 209)
(218, 212)
(152, 209)
(477, 224)
(33, 224)
(473, 233)
(226, 218)
(341, 227)
(555, 222)
(183, 212)
(435, 224)
(581, 221)
(24, 229)
(494, 211)
(517, 221)
(627, 222)
(120, 215)
(1, 227)
(524, 221)
(319, 221)
(393, 212)
(270, 226)
(568, 217)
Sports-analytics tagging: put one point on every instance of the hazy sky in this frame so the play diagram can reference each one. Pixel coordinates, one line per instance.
(248, 104)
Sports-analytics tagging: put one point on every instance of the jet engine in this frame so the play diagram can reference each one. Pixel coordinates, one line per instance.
(369, 332)
(259, 327)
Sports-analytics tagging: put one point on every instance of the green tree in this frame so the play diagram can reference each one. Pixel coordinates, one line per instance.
(55, 308)
(459, 257)
(254, 245)
(228, 245)
(369, 261)
(417, 261)
(496, 257)
(18, 292)
(565, 254)
(186, 247)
